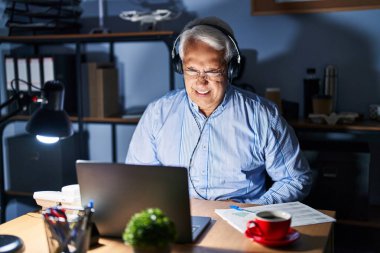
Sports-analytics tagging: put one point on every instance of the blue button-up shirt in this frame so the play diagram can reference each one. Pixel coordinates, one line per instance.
(230, 151)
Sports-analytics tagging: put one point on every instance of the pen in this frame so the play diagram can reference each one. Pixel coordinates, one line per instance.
(88, 211)
(238, 208)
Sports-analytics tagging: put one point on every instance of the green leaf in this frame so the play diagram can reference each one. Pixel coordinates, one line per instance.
(150, 227)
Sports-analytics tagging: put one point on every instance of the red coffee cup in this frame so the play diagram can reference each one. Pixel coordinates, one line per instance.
(271, 225)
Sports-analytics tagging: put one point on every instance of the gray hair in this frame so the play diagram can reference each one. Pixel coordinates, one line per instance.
(203, 30)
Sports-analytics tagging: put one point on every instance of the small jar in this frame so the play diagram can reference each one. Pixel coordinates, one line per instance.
(322, 104)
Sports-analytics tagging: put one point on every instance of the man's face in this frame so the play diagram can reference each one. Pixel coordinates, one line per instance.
(205, 75)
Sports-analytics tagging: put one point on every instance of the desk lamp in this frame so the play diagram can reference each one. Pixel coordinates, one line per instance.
(49, 123)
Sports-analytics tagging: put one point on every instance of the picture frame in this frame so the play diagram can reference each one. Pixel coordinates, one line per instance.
(268, 7)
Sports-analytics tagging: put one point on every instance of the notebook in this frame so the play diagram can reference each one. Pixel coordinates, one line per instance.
(121, 190)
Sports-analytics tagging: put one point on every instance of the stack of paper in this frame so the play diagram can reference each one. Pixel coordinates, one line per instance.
(68, 197)
(301, 214)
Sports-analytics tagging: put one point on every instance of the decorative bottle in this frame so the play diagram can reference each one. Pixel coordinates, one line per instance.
(331, 84)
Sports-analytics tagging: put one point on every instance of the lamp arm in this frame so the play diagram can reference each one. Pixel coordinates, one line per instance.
(22, 99)
(9, 101)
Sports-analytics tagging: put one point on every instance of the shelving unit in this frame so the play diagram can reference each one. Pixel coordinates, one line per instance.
(36, 16)
(79, 40)
(347, 159)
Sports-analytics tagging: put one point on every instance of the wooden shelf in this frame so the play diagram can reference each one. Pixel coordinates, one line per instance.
(89, 38)
(369, 126)
(115, 120)
(265, 7)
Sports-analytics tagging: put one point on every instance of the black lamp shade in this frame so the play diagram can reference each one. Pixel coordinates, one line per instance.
(51, 120)
(50, 123)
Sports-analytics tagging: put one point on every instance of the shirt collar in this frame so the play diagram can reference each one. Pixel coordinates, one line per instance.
(227, 96)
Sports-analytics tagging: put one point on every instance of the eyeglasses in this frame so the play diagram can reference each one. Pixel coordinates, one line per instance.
(211, 75)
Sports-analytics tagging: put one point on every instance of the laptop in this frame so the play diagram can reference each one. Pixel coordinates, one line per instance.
(121, 190)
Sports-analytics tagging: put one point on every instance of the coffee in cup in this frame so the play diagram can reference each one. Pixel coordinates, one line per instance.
(271, 225)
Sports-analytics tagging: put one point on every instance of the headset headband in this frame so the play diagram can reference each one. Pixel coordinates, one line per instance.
(233, 66)
(224, 31)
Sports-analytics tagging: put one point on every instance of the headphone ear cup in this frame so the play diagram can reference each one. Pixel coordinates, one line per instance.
(177, 64)
(233, 69)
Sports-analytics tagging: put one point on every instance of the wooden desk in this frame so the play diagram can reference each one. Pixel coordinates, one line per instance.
(219, 237)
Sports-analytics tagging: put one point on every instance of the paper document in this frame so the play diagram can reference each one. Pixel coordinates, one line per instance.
(35, 75)
(301, 214)
(48, 68)
(10, 73)
(22, 74)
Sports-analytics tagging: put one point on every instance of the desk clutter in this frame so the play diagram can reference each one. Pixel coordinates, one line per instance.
(334, 118)
(297, 213)
(68, 198)
(225, 238)
(320, 96)
(68, 224)
(68, 235)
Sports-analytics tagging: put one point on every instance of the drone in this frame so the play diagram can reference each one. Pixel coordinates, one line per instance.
(147, 17)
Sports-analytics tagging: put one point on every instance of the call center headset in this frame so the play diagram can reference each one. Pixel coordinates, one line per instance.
(233, 66)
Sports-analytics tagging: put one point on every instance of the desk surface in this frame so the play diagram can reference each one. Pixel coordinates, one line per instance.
(219, 237)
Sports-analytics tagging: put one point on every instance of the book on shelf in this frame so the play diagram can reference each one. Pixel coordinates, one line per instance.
(35, 73)
(16, 69)
(37, 70)
(103, 90)
(10, 72)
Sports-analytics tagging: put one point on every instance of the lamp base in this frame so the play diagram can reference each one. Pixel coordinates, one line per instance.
(11, 244)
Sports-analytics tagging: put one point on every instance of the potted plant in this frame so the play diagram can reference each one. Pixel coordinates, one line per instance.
(150, 231)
